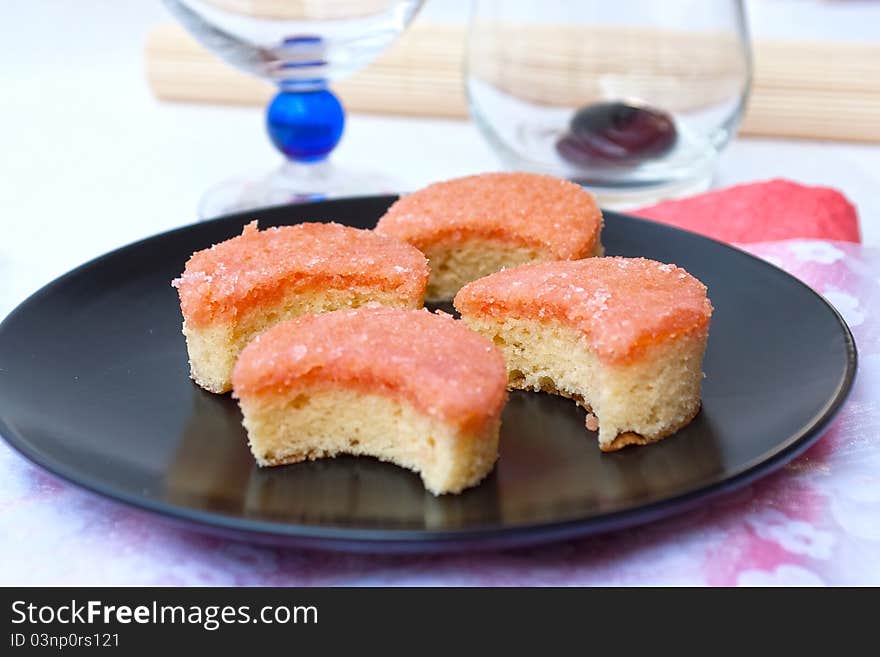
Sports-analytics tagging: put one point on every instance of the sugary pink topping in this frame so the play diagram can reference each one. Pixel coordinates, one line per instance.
(258, 267)
(620, 304)
(552, 215)
(435, 362)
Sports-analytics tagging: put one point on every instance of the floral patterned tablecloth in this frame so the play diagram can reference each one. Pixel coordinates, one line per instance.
(817, 521)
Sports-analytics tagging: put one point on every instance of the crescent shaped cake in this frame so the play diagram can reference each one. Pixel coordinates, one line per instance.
(236, 289)
(474, 226)
(420, 390)
(624, 337)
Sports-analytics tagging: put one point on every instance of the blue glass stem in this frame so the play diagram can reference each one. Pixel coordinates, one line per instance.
(305, 125)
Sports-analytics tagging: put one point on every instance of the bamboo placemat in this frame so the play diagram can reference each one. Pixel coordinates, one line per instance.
(820, 90)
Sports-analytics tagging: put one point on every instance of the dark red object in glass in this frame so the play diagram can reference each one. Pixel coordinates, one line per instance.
(616, 133)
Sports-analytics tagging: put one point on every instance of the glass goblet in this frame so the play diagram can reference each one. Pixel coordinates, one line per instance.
(634, 99)
(300, 45)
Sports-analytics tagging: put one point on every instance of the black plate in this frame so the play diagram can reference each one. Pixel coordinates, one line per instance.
(94, 387)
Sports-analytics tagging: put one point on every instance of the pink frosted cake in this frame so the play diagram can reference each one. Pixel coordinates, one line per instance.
(471, 227)
(417, 389)
(237, 289)
(623, 337)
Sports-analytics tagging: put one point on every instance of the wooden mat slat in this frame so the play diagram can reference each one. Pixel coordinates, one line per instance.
(820, 90)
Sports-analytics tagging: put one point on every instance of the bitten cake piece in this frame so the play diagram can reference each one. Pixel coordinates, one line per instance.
(406, 386)
(237, 289)
(622, 337)
(472, 227)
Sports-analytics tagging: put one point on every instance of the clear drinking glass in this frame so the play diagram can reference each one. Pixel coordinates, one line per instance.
(300, 45)
(634, 99)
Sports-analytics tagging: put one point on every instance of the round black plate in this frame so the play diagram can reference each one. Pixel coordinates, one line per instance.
(94, 387)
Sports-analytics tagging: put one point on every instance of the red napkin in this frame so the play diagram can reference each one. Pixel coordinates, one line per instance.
(762, 211)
